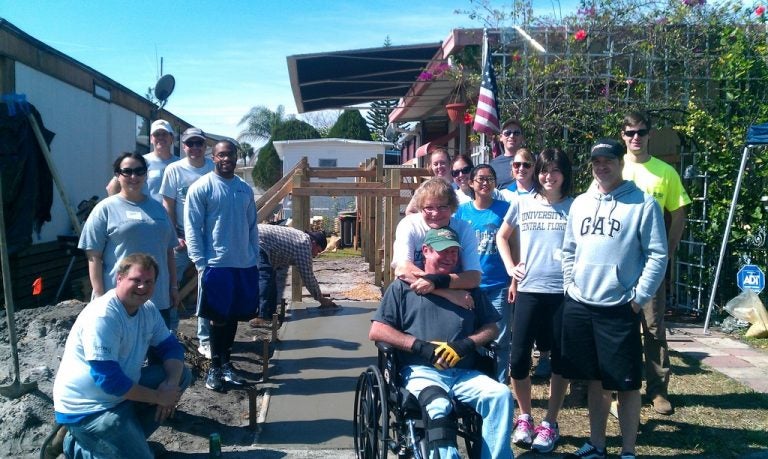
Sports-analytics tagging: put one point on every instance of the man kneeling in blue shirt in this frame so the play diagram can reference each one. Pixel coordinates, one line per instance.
(103, 394)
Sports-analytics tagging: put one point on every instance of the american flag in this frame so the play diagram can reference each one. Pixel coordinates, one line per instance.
(487, 115)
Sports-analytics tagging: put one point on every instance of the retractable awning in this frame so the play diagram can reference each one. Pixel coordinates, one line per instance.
(342, 78)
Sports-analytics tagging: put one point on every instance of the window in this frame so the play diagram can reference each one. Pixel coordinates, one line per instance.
(326, 163)
(142, 135)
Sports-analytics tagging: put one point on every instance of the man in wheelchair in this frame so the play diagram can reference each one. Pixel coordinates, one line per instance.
(436, 342)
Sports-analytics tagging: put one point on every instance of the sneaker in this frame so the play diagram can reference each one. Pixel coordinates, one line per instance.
(543, 368)
(205, 350)
(523, 434)
(230, 375)
(588, 451)
(214, 380)
(627, 456)
(546, 437)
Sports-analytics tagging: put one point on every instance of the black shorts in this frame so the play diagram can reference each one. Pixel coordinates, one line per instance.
(534, 318)
(602, 343)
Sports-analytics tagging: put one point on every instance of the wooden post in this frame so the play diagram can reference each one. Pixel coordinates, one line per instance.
(301, 222)
(264, 360)
(390, 223)
(378, 239)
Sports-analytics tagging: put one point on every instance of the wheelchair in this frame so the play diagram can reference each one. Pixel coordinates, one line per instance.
(388, 418)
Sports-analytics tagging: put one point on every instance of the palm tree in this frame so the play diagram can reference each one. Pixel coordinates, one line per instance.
(261, 123)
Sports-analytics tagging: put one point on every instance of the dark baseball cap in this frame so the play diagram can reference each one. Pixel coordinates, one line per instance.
(608, 148)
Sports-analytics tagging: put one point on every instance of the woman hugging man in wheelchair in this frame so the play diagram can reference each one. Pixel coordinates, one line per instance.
(436, 328)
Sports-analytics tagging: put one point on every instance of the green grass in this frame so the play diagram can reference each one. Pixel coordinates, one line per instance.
(715, 417)
(342, 253)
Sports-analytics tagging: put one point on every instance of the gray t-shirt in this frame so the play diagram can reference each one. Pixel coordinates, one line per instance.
(176, 181)
(117, 227)
(542, 228)
(155, 169)
(432, 318)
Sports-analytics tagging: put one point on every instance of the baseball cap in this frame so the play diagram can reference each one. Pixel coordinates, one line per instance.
(161, 124)
(608, 148)
(442, 238)
(192, 133)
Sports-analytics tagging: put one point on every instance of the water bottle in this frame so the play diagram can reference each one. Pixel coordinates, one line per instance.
(214, 445)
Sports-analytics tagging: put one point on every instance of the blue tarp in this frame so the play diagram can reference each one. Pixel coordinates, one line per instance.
(757, 134)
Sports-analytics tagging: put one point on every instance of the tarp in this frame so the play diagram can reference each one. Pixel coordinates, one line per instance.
(27, 181)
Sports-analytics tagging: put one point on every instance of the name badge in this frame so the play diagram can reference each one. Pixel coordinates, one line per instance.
(154, 173)
(133, 215)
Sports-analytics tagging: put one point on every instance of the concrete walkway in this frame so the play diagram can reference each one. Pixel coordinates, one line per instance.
(722, 353)
(312, 381)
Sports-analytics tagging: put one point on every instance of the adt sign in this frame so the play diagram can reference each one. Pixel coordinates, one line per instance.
(751, 277)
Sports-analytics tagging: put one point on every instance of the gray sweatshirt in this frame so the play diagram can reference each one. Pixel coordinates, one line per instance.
(615, 247)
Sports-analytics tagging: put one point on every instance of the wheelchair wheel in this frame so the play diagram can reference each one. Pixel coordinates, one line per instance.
(472, 427)
(371, 417)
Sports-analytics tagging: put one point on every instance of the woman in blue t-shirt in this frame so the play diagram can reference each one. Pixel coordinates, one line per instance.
(485, 215)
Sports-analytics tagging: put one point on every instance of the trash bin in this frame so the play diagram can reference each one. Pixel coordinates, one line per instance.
(348, 229)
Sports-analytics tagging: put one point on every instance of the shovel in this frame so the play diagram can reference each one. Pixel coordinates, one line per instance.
(17, 388)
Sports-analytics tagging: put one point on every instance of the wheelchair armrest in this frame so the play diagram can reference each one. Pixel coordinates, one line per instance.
(385, 347)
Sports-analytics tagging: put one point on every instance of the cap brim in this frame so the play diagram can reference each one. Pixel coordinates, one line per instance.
(442, 245)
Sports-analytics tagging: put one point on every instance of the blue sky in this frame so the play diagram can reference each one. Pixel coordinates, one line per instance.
(226, 56)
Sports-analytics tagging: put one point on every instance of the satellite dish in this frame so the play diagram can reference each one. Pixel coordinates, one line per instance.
(164, 88)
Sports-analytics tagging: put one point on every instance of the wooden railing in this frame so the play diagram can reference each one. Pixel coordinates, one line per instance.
(380, 193)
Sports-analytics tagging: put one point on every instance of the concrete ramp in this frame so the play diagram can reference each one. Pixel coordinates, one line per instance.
(312, 379)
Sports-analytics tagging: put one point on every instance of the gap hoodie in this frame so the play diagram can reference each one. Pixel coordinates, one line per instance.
(615, 247)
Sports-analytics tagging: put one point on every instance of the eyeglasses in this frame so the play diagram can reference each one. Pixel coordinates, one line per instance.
(510, 132)
(518, 165)
(137, 171)
(436, 209)
(640, 132)
(194, 143)
(483, 180)
(463, 170)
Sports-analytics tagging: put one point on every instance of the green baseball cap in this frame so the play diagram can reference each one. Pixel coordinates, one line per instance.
(442, 238)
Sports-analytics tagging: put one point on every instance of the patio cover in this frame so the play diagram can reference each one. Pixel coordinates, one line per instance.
(338, 79)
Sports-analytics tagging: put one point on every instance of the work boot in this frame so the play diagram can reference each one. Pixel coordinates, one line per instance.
(258, 322)
(56, 446)
(662, 405)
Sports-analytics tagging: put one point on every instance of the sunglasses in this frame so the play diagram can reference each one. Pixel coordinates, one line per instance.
(463, 170)
(194, 143)
(518, 165)
(484, 180)
(510, 133)
(640, 132)
(435, 209)
(137, 171)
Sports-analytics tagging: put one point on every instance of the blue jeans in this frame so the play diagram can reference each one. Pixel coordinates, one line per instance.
(203, 325)
(267, 286)
(498, 298)
(121, 431)
(491, 399)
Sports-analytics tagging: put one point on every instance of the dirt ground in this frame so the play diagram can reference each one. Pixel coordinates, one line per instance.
(42, 332)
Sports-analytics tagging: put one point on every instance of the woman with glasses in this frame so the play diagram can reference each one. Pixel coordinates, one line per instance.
(460, 170)
(536, 289)
(126, 223)
(486, 214)
(522, 173)
(435, 201)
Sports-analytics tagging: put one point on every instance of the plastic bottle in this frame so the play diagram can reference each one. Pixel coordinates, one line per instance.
(214, 445)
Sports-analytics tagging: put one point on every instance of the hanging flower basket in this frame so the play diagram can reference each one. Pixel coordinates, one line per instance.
(456, 111)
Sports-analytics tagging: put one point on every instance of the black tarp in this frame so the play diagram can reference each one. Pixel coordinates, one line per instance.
(27, 180)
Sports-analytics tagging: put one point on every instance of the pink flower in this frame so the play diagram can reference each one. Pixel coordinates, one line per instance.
(468, 118)
(516, 57)
(630, 81)
(759, 10)
(425, 76)
(580, 35)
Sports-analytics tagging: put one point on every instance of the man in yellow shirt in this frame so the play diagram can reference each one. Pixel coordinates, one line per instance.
(662, 181)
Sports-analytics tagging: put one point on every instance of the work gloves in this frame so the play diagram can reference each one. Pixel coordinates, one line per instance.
(452, 352)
